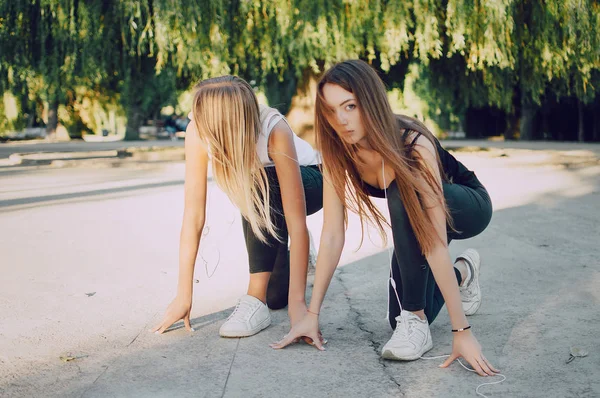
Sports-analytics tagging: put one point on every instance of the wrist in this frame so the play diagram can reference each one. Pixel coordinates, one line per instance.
(185, 287)
(184, 295)
(312, 308)
(462, 331)
(296, 299)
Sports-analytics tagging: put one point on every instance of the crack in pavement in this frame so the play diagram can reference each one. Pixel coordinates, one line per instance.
(361, 325)
(107, 366)
(231, 366)
(91, 385)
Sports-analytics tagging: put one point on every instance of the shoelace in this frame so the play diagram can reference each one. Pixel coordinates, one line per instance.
(469, 290)
(240, 307)
(405, 327)
(468, 287)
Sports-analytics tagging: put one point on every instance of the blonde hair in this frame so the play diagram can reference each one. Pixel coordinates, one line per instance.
(384, 133)
(227, 117)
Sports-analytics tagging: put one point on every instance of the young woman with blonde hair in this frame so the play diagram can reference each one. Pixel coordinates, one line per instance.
(367, 151)
(273, 177)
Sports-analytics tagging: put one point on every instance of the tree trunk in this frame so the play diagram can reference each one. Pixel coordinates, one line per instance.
(301, 113)
(280, 93)
(27, 106)
(580, 130)
(526, 122)
(545, 133)
(513, 124)
(596, 116)
(52, 119)
(134, 122)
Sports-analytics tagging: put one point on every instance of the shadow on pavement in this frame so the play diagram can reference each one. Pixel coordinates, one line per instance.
(86, 194)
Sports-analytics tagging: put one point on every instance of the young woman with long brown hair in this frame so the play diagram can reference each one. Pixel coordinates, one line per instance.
(273, 177)
(367, 151)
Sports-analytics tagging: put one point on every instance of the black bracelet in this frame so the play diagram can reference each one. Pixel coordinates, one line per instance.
(461, 330)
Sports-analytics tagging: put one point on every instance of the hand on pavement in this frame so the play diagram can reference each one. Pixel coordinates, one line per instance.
(177, 310)
(466, 345)
(297, 311)
(307, 327)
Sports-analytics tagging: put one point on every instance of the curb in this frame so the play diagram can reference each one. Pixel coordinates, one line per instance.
(70, 159)
(561, 157)
(556, 154)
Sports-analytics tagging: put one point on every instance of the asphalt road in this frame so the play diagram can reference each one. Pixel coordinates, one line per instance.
(88, 258)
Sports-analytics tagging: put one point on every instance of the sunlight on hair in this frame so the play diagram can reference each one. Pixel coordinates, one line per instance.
(227, 116)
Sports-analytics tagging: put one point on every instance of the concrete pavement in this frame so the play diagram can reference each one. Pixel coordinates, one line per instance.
(89, 264)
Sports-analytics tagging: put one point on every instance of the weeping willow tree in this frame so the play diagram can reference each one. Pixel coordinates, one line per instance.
(272, 44)
(512, 55)
(41, 55)
(49, 48)
(558, 48)
(515, 55)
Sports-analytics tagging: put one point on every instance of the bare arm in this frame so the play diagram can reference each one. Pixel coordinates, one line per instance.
(439, 258)
(196, 165)
(331, 245)
(283, 153)
(464, 343)
(330, 249)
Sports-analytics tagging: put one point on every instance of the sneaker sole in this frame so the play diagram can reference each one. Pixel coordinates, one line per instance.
(389, 354)
(467, 256)
(263, 325)
(312, 254)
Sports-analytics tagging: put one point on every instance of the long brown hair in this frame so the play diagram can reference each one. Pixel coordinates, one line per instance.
(383, 133)
(227, 117)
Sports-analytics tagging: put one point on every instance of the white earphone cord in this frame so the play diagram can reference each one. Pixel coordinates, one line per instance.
(202, 250)
(393, 283)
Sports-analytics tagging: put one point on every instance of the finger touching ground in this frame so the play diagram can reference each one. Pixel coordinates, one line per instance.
(448, 361)
(490, 365)
(477, 368)
(186, 322)
(485, 367)
(166, 323)
(162, 329)
(319, 344)
(287, 340)
(160, 326)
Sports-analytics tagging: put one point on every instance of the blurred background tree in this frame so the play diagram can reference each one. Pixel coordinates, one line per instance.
(523, 69)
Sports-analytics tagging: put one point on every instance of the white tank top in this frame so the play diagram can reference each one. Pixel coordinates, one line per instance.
(269, 117)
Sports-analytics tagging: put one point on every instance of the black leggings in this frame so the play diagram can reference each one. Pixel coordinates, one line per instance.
(471, 211)
(272, 255)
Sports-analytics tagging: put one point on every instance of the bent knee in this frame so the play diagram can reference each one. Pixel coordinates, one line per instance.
(277, 301)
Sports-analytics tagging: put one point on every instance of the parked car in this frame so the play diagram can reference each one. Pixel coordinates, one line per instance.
(175, 126)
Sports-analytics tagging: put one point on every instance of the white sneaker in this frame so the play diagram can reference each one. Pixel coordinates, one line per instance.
(470, 293)
(249, 317)
(312, 254)
(410, 340)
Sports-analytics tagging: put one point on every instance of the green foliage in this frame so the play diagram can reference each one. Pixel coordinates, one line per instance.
(504, 54)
